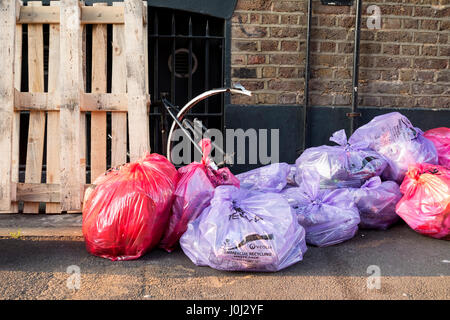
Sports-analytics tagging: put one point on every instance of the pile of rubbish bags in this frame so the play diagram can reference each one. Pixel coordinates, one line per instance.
(263, 219)
(193, 194)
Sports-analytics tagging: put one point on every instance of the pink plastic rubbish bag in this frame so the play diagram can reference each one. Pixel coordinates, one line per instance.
(343, 166)
(127, 209)
(441, 140)
(269, 178)
(425, 205)
(376, 203)
(393, 136)
(245, 230)
(328, 216)
(194, 192)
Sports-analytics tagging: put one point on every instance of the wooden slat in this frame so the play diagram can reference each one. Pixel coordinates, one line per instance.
(147, 90)
(135, 60)
(89, 15)
(89, 102)
(70, 84)
(83, 141)
(38, 15)
(38, 192)
(82, 130)
(36, 131)
(53, 117)
(7, 39)
(105, 15)
(16, 117)
(118, 85)
(111, 102)
(41, 192)
(83, 148)
(36, 101)
(98, 119)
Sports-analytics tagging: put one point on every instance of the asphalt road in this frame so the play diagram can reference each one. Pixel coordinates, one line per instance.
(411, 266)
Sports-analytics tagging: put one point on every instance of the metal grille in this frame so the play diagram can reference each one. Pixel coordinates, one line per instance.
(186, 53)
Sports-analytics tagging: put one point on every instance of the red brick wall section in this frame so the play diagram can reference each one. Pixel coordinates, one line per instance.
(405, 63)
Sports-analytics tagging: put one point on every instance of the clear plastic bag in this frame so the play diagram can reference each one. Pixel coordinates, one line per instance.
(376, 203)
(343, 166)
(328, 216)
(245, 230)
(425, 205)
(393, 136)
(127, 209)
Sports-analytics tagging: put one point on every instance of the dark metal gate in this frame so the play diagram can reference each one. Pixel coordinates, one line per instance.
(186, 52)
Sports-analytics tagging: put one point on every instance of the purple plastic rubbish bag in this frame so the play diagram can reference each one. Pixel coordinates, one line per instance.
(270, 178)
(292, 195)
(393, 136)
(328, 216)
(245, 230)
(376, 203)
(343, 166)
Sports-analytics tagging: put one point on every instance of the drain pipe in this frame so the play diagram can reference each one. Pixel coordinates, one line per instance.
(307, 74)
(354, 113)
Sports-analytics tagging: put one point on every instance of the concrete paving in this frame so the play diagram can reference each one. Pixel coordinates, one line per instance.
(41, 225)
(34, 264)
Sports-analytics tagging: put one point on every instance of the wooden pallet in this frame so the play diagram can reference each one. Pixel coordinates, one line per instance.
(61, 111)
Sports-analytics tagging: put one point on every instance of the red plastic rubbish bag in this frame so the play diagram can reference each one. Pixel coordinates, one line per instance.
(441, 140)
(127, 211)
(193, 194)
(425, 205)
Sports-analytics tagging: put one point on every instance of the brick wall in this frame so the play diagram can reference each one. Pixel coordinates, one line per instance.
(405, 63)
